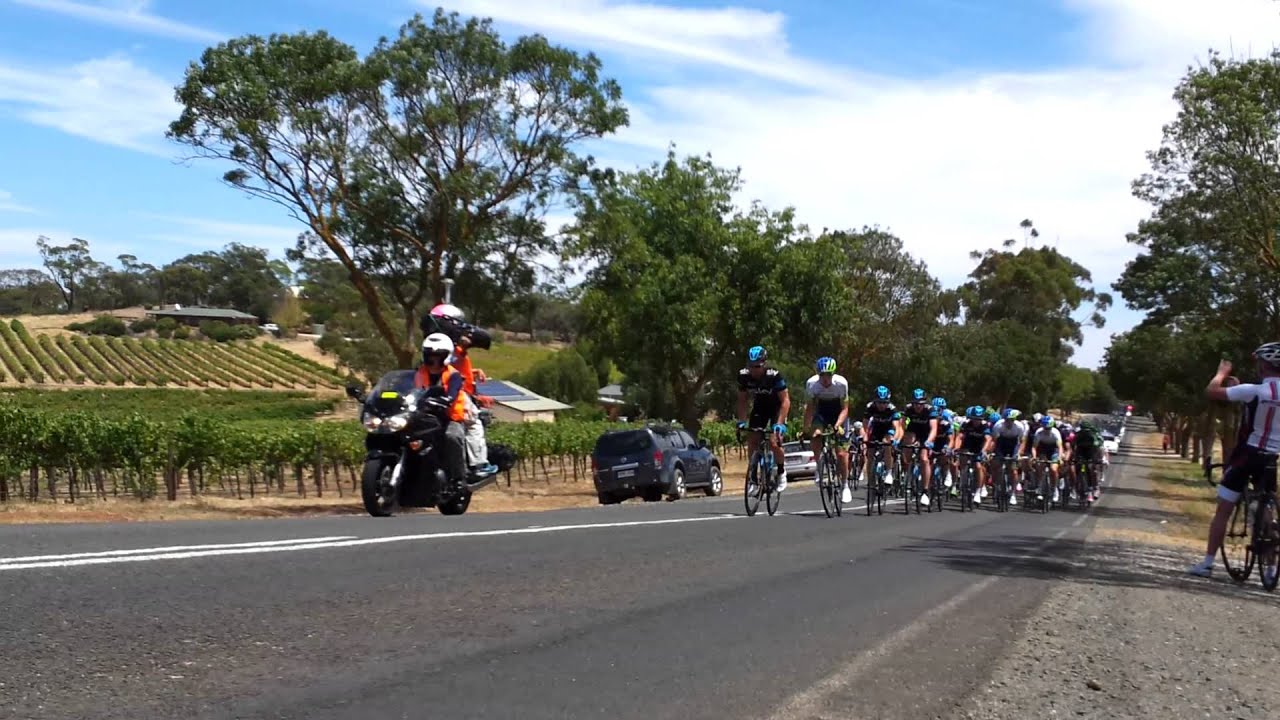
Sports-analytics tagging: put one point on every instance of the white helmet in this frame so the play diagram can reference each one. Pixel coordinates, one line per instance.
(446, 310)
(1269, 353)
(1037, 417)
(437, 344)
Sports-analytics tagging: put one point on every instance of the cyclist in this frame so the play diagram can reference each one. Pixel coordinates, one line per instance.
(922, 428)
(1088, 448)
(1254, 458)
(828, 408)
(764, 388)
(881, 418)
(974, 436)
(1009, 433)
(1048, 442)
(942, 444)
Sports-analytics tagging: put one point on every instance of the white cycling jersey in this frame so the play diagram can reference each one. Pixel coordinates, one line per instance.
(831, 394)
(1265, 399)
(1010, 429)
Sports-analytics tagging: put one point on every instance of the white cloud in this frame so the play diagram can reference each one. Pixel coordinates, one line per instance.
(127, 15)
(193, 234)
(8, 203)
(950, 164)
(18, 245)
(109, 100)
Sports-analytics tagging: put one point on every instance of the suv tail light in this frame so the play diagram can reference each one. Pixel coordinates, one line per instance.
(657, 457)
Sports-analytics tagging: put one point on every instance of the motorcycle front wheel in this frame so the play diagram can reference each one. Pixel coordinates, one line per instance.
(380, 499)
(456, 505)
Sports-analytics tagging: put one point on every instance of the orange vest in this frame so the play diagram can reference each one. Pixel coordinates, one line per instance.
(457, 411)
(463, 365)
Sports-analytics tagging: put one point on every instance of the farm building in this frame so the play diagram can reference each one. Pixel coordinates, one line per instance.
(193, 316)
(513, 403)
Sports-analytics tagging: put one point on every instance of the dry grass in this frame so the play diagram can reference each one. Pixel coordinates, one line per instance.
(57, 324)
(554, 492)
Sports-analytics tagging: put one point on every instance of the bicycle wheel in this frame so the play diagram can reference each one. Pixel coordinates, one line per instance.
(827, 483)
(1046, 491)
(1266, 542)
(965, 480)
(1237, 556)
(837, 491)
(856, 459)
(755, 486)
(771, 501)
(1002, 489)
(873, 490)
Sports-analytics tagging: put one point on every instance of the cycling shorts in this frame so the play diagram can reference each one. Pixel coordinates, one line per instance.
(1247, 464)
(1088, 453)
(826, 420)
(1007, 447)
(879, 433)
(1050, 454)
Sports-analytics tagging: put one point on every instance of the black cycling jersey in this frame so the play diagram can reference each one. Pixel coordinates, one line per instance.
(765, 391)
(918, 420)
(974, 433)
(880, 420)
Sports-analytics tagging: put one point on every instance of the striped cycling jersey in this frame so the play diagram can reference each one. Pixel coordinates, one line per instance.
(1264, 419)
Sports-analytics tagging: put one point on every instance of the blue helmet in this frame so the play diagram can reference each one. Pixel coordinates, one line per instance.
(992, 415)
(947, 415)
(826, 364)
(882, 393)
(974, 411)
(917, 395)
(1046, 421)
(757, 354)
(1012, 414)
(940, 402)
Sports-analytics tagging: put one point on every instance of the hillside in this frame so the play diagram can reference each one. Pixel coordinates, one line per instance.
(58, 358)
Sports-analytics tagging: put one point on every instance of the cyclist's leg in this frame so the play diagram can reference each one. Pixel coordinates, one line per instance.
(926, 468)
(1235, 478)
(840, 436)
(815, 446)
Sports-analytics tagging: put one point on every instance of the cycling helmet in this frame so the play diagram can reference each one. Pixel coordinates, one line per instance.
(918, 395)
(436, 345)
(992, 415)
(1269, 353)
(947, 415)
(826, 364)
(447, 311)
(974, 411)
(757, 354)
(1046, 421)
(1012, 414)
(857, 425)
(1037, 417)
(882, 394)
(940, 402)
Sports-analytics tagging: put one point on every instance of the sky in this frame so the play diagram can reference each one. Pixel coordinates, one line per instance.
(946, 122)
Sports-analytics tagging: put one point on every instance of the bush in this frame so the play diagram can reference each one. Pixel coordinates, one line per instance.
(182, 332)
(144, 325)
(101, 325)
(564, 376)
(499, 336)
(584, 412)
(166, 327)
(543, 337)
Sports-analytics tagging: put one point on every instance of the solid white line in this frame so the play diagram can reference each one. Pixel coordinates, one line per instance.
(169, 549)
(344, 543)
(809, 703)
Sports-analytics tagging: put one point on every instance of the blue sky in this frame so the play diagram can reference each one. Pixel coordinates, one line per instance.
(945, 121)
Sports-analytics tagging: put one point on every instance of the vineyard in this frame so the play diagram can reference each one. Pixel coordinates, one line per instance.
(147, 443)
(106, 361)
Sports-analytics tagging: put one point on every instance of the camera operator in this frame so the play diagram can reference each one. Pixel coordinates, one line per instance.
(449, 320)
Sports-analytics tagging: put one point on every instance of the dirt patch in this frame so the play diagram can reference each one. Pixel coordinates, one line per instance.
(57, 324)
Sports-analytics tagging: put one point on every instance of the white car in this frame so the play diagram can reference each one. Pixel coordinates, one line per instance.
(798, 461)
(1110, 442)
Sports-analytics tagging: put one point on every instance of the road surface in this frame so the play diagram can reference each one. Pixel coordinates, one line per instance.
(673, 610)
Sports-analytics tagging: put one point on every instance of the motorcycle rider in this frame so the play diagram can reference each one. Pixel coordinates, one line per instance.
(451, 317)
(436, 372)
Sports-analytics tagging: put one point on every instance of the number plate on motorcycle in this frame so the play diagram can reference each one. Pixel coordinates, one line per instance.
(389, 395)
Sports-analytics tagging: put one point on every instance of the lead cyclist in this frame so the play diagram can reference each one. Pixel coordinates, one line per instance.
(828, 408)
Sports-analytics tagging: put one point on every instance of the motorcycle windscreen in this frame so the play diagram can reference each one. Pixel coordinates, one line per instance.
(389, 393)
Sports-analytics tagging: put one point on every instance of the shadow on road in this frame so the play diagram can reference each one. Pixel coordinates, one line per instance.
(1099, 562)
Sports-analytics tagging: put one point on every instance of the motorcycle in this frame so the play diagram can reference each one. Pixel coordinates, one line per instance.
(404, 464)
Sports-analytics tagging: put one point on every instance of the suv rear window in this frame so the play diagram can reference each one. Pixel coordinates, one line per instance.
(622, 443)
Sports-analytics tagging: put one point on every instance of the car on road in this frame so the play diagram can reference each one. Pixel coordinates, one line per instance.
(1110, 442)
(651, 463)
(799, 461)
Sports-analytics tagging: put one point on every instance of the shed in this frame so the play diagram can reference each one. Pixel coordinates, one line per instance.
(195, 315)
(611, 398)
(513, 403)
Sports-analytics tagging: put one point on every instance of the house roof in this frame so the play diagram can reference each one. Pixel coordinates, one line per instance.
(204, 312)
(612, 392)
(519, 398)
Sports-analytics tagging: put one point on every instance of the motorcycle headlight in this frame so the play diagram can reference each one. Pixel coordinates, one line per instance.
(372, 422)
(396, 423)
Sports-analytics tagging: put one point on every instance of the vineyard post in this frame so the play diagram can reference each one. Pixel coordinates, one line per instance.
(318, 454)
(171, 477)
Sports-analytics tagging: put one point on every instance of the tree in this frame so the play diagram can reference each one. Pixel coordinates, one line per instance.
(1039, 288)
(69, 266)
(1075, 388)
(683, 280)
(424, 152)
(28, 291)
(564, 376)
(289, 314)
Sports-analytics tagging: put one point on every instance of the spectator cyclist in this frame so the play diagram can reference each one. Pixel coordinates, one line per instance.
(1254, 459)
(828, 408)
(770, 403)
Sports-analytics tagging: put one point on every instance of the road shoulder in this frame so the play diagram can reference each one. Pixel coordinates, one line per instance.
(1124, 633)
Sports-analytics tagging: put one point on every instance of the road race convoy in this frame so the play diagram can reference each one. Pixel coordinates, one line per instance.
(921, 455)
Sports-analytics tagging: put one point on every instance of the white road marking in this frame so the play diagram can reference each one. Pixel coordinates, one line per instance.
(320, 544)
(170, 549)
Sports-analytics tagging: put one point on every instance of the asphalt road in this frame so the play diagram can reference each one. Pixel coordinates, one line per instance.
(674, 610)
